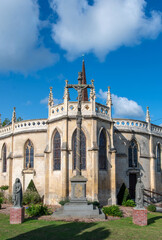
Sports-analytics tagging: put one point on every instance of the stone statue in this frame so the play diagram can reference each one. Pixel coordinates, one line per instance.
(139, 193)
(17, 194)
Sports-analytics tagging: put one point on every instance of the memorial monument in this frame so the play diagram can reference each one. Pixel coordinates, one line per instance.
(78, 206)
(139, 212)
(17, 211)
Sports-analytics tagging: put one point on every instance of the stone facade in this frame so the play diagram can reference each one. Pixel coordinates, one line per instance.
(102, 184)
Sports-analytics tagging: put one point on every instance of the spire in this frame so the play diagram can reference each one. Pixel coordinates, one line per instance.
(50, 99)
(14, 115)
(0, 121)
(84, 92)
(148, 119)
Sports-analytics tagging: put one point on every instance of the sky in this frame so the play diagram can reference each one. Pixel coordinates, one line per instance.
(42, 44)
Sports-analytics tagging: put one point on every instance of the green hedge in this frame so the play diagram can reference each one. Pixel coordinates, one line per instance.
(129, 203)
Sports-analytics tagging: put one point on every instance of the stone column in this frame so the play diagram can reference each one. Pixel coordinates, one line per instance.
(113, 176)
(64, 164)
(94, 157)
(152, 166)
(46, 187)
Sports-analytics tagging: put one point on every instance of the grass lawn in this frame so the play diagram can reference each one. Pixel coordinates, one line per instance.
(117, 229)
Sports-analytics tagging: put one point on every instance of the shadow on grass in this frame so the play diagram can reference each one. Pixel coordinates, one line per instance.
(66, 231)
(153, 219)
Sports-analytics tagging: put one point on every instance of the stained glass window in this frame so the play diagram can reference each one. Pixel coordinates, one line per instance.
(158, 158)
(102, 151)
(4, 159)
(29, 154)
(83, 149)
(57, 151)
(132, 154)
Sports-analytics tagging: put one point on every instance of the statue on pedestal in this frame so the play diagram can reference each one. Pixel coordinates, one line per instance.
(17, 194)
(139, 194)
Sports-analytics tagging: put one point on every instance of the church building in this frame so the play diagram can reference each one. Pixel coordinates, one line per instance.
(113, 151)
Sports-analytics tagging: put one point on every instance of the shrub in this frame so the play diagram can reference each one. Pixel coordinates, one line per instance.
(126, 196)
(112, 211)
(36, 210)
(63, 202)
(32, 187)
(129, 203)
(1, 201)
(151, 208)
(31, 197)
(4, 187)
(1, 194)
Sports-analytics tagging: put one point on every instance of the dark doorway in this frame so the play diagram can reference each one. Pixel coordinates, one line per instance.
(132, 184)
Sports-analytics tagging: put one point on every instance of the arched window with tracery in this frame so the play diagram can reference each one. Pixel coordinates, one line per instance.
(132, 154)
(102, 150)
(4, 158)
(57, 151)
(83, 149)
(29, 154)
(158, 158)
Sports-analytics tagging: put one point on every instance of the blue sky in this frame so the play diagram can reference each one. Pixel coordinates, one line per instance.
(42, 42)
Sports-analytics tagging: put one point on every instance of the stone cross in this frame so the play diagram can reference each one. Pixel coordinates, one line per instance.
(79, 88)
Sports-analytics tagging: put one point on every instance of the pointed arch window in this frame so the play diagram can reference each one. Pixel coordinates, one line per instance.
(4, 158)
(57, 151)
(158, 158)
(83, 149)
(102, 150)
(132, 154)
(29, 154)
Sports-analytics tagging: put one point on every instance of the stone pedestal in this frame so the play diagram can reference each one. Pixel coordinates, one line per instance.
(78, 206)
(140, 216)
(78, 189)
(17, 215)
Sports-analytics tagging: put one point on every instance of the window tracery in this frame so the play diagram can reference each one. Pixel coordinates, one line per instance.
(4, 158)
(57, 151)
(102, 150)
(132, 154)
(158, 158)
(29, 154)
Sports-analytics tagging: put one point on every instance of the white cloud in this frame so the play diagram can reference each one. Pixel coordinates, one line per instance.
(45, 101)
(21, 48)
(123, 107)
(102, 27)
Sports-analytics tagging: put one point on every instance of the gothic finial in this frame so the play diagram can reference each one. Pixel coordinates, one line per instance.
(66, 91)
(14, 115)
(50, 99)
(148, 119)
(109, 99)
